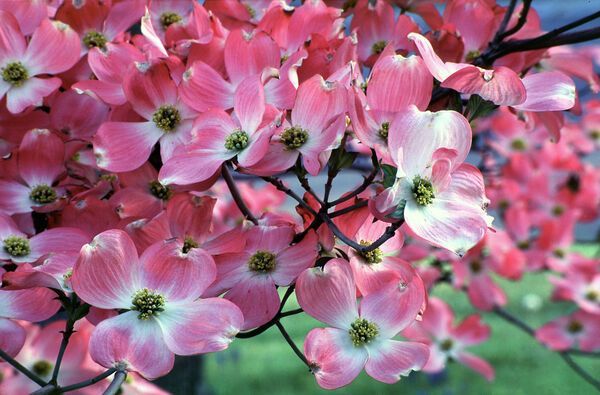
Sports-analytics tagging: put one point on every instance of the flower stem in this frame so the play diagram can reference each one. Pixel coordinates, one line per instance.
(119, 378)
(235, 194)
(11, 361)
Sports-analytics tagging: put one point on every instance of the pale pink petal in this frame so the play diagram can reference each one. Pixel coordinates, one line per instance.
(57, 240)
(329, 294)
(41, 157)
(107, 92)
(49, 39)
(122, 16)
(257, 298)
(191, 167)
(294, 259)
(12, 42)
(203, 88)
(554, 336)
(472, 331)
(125, 146)
(136, 344)
(105, 274)
(249, 103)
(35, 304)
(397, 82)
(549, 91)
(317, 103)
(438, 318)
(248, 53)
(436, 66)
(206, 325)
(389, 360)
(175, 274)
(148, 87)
(477, 364)
(414, 136)
(30, 93)
(337, 362)
(485, 294)
(150, 34)
(12, 336)
(501, 85)
(14, 198)
(170, 142)
(190, 215)
(269, 238)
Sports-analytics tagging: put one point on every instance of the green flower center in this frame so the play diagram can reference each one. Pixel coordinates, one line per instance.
(592, 296)
(42, 368)
(378, 47)
(237, 141)
(575, 326)
(43, 194)
(169, 18)
(518, 145)
(422, 191)
(262, 262)
(523, 245)
(160, 191)
(362, 332)
(294, 137)
(16, 246)
(475, 266)
(250, 10)
(349, 4)
(188, 244)
(94, 39)
(149, 303)
(384, 130)
(559, 253)
(472, 55)
(166, 118)
(15, 73)
(371, 257)
(595, 134)
(558, 210)
(446, 345)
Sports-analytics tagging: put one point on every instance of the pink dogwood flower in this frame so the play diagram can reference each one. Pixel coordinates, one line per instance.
(448, 341)
(580, 328)
(153, 95)
(441, 198)
(360, 334)
(161, 292)
(20, 62)
(218, 138)
(250, 278)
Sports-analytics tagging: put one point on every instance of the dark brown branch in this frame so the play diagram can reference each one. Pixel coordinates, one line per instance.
(15, 364)
(502, 28)
(366, 182)
(235, 194)
(520, 22)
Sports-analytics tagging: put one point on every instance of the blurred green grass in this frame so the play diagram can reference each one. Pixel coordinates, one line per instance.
(266, 365)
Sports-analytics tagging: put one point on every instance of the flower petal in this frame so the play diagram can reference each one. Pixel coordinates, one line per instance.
(48, 40)
(12, 335)
(550, 91)
(393, 359)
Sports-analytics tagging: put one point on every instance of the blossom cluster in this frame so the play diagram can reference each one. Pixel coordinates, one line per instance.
(135, 134)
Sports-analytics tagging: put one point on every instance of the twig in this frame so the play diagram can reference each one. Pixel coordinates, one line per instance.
(235, 193)
(346, 210)
(291, 312)
(61, 352)
(520, 22)
(32, 376)
(87, 383)
(293, 345)
(580, 371)
(115, 385)
(366, 182)
(504, 23)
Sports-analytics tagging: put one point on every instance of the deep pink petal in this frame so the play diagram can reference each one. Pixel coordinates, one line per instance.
(206, 325)
(136, 344)
(175, 274)
(203, 88)
(12, 336)
(147, 87)
(125, 146)
(390, 360)
(191, 167)
(329, 294)
(436, 66)
(58, 240)
(269, 238)
(14, 198)
(317, 103)
(249, 103)
(41, 157)
(30, 93)
(12, 42)
(105, 274)
(294, 259)
(337, 362)
(472, 331)
(477, 364)
(35, 304)
(248, 54)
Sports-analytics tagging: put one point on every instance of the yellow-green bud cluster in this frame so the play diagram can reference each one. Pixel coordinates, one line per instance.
(166, 118)
(294, 137)
(15, 73)
(262, 262)
(362, 332)
(149, 303)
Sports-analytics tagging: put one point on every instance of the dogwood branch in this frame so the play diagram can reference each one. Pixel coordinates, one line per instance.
(520, 22)
(368, 181)
(115, 385)
(89, 382)
(235, 194)
(15, 364)
(293, 345)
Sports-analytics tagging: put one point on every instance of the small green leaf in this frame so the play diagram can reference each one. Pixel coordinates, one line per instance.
(389, 175)
(477, 107)
(340, 159)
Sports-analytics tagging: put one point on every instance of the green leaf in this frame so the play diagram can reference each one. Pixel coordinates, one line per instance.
(340, 159)
(389, 175)
(455, 102)
(477, 108)
(399, 212)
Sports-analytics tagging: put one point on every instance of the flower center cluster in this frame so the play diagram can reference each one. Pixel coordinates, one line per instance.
(166, 118)
(378, 47)
(518, 145)
(362, 332)
(384, 130)
(160, 191)
(188, 244)
(250, 10)
(262, 262)
(94, 39)
(446, 345)
(42, 368)
(15, 73)
(422, 191)
(169, 18)
(237, 141)
(592, 296)
(148, 303)
(575, 326)
(294, 137)
(16, 246)
(475, 266)
(372, 257)
(43, 194)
